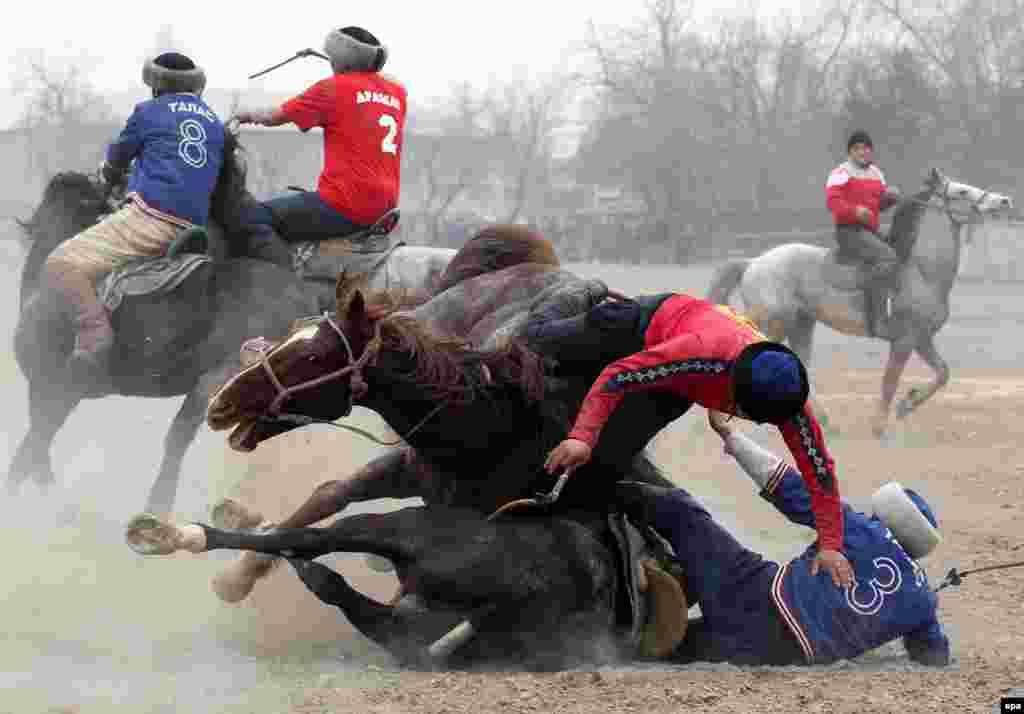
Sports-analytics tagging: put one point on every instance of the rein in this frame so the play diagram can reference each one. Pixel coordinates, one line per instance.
(945, 204)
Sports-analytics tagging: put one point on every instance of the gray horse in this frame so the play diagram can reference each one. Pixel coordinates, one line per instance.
(790, 288)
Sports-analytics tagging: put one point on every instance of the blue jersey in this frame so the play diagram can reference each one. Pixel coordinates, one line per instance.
(177, 143)
(891, 598)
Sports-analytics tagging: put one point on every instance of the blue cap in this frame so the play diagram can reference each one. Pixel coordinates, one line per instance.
(922, 506)
(769, 383)
(775, 376)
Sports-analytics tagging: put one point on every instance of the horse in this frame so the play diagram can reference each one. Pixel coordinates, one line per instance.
(518, 590)
(477, 409)
(790, 288)
(181, 343)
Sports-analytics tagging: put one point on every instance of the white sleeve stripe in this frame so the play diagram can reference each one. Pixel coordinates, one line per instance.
(838, 177)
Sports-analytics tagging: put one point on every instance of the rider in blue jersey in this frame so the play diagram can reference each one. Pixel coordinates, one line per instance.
(173, 145)
(757, 611)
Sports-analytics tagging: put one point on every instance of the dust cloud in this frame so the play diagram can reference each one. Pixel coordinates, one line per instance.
(88, 626)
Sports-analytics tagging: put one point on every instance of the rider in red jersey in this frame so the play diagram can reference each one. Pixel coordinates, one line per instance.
(362, 113)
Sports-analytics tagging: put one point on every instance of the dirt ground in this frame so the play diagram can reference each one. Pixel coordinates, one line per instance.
(963, 451)
(89, 627)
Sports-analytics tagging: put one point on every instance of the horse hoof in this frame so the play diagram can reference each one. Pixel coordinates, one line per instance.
(148, 535)
(379, 564)
(231, 515)
(235, 582)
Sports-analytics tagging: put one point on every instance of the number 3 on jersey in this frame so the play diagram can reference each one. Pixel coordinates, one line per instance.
(388, 145)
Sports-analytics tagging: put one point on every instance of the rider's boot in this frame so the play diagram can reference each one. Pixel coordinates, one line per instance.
(879, 304)
(94, 335)
(266, 244)
(641, 502)
(880, 295)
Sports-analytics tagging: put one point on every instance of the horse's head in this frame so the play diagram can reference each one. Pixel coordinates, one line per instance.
(326, 363)
(313, 374)
(72, 201)
(957, 196)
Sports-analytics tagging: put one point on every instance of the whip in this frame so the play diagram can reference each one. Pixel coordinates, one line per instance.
(308, 52)
(954, 577)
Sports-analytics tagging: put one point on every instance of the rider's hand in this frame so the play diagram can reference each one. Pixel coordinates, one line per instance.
(863, 214)
(569, 455)
(720, 422)
(836, 565)
(111, 175)
(246, 118)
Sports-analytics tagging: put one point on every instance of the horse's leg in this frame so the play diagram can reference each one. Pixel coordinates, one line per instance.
(917, 395)
(179, 437)
(48, 410)
(899, 353)
(396, 474)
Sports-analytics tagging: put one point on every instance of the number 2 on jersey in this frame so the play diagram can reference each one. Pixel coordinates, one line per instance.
(388, 145)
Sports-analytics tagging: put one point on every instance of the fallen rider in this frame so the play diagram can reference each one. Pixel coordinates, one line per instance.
(756, 611)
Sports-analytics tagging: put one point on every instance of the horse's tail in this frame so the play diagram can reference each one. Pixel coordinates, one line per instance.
(725, 280)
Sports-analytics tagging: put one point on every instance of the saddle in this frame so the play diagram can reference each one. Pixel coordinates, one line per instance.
(844, 271)
(157, 276)
(655, 606)
(358, 253)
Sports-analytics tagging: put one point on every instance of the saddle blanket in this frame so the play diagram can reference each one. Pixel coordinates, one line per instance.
(148, 277)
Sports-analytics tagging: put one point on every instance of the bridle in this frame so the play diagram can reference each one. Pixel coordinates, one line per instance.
(957, 218)
(354, 368)
(358, 387)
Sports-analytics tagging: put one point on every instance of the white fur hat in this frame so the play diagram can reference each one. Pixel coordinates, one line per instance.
(908, 517)
(349, 54)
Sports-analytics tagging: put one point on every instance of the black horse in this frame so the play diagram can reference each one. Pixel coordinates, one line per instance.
(520, 590)
(182, 343)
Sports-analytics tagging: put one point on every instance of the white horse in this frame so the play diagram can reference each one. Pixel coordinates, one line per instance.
(790, 288)
(413, 268)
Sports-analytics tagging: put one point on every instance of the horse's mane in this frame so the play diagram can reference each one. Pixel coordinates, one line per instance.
(446, 365)
(906, 222)
(495, 247)
(230, 193)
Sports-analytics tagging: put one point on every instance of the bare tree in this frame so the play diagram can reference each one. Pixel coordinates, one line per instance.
(975, 50)
(65, 119)
(446, 157)
(522, 117)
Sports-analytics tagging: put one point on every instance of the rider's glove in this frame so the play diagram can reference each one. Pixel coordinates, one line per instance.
(111, 174)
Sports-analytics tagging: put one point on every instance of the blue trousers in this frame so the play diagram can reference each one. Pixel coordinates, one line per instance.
(298, 216)
(732, 585)
(302, 215)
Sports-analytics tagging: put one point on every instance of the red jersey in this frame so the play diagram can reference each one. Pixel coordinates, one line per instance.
(849, 186)
(691, 345)
(363, 117)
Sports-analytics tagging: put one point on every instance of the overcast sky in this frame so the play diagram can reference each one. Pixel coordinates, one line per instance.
(432, 44)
